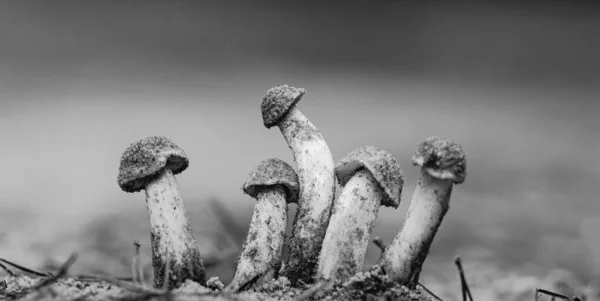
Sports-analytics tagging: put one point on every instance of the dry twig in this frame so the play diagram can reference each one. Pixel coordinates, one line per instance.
(7, 270)
(64, 269)
(463, 280)
(549, 293)
(24, 269)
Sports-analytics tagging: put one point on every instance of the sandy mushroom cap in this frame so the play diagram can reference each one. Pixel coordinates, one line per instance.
(272, 172)
(278, 101)
(144, 158)
(380, 163)
(442, 159)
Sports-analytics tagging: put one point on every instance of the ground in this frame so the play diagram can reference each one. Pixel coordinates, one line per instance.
(364, 286)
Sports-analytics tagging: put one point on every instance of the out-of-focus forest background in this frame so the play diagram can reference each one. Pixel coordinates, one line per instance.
(516, 83)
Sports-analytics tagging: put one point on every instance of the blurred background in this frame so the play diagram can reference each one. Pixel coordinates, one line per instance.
(515, 83)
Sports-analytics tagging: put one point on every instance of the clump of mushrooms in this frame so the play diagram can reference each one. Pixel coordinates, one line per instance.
(329, 239)
(370, 178)
(274, 184)
(315, 167)
(151, 165)
(443, 163)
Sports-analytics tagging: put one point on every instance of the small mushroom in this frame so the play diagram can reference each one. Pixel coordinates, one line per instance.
(443, 163)
(315, 168)
(150, 164)
(370, 178)
(274, 184)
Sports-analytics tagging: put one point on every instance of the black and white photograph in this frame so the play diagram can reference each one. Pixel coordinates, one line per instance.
(300, 150)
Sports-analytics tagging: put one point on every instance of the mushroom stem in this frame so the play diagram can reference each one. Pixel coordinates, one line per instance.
(406, 254)
(171, 234)
(315, 168)
(264, 243)
(352, 219)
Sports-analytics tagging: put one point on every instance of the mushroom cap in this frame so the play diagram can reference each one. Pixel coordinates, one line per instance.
(442, 159)
(278, 101)
(380, 163)
(273, 172)
(145, 158)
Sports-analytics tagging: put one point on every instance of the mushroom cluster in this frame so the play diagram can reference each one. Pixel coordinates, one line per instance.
(329, 236)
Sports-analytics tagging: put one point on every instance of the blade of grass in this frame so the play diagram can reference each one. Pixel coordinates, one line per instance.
(135, 265)
(227, 221)
(229, 232)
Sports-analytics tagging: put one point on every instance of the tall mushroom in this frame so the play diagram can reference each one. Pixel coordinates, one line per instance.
(150, 164)
(443, 163)
(370, 178)
(315, 168)
(274, 184)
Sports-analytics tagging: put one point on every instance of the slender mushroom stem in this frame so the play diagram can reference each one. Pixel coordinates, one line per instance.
(274, 184)
(347, 238)
(370, 177)
(442, 164)
(170, 233)
(151, 164)
(425, 213)
(315, 167)
(317, 189)
(264, 243)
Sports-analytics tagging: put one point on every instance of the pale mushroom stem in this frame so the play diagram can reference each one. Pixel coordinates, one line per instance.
(347, 238)
(170, 233)
(406, 254)
(264, 244)
(315, 168)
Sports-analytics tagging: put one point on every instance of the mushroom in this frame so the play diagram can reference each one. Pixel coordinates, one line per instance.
(150, 164)
(443, 163)
(274, 184)
(315, 169)
(370, 178)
